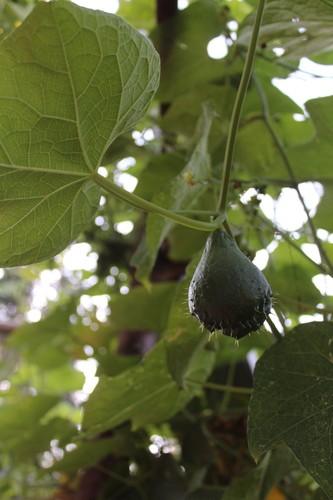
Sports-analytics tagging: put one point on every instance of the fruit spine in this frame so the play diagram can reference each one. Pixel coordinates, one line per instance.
(228, 292)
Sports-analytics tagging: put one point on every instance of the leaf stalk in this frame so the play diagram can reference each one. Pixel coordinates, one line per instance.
(147, 206)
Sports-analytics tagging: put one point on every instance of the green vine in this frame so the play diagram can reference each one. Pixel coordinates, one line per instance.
(235, 117)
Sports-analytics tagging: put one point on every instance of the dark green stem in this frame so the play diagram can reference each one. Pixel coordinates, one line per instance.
(149, 207)
(236, 113)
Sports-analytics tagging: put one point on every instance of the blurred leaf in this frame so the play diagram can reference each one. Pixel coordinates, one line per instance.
(186, 109)
(292, 132)
(144, 395)
(59, 380)
(292, 400)
(160, 170)
(37, 438)
(55, 130)
(290, 275)
(139, 13)
(19, 418)
(90, 453)
(183, 49)
(184, 243)
(239, 10)
(184, 337)
(48, 343)
(182, 192)
(323, 217)
(257, 483)
(300, 27)
(279, 103)
(130, 311)
(255, 154)
(12, 14)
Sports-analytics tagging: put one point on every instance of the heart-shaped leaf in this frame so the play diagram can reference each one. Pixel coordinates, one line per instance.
(292, 400)
(72, 80)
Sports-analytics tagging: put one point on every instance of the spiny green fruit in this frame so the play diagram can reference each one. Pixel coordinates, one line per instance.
(227, 291)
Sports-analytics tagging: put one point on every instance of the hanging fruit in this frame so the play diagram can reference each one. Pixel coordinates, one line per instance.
(228, 292)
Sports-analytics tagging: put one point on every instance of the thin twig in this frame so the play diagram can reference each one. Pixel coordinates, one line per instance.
(324, 257)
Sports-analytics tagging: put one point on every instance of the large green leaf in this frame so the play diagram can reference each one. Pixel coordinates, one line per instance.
(72, 80)
(292, 400)
(301, 27)
(145, 394)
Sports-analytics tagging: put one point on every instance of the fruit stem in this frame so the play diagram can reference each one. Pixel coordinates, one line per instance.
(234, 123)
(147, 206)
(223, 388)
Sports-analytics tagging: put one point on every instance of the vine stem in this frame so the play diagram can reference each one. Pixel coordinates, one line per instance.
(147, 206)
(279, 145)
(235, 117)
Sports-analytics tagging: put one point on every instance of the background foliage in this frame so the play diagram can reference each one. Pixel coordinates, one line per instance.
(171, 416)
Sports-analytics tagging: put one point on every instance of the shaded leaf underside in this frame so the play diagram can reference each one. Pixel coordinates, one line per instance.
(72, 81)
(293, 400)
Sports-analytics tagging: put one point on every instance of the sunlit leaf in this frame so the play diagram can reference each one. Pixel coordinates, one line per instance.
(91, 76)
(143, 395)
(28, 411)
